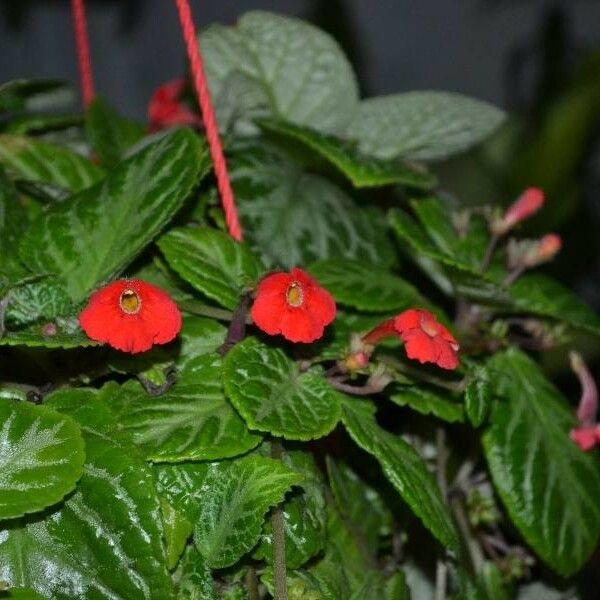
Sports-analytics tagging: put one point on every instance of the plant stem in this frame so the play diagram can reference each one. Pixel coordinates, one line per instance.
(279, 570)
(475, 552)
(441, 573)
(514, 275)
(237, 328)
(489, 252)
(355, 390)
(455, 386)
(252, 584)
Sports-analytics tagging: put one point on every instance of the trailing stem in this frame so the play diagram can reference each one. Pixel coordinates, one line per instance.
(441, 574)
(279, 569)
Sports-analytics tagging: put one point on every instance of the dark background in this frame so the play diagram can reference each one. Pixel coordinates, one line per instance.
(466, 46)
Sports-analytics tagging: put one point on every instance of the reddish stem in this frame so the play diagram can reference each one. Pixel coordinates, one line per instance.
(83, 51)
(208, 116)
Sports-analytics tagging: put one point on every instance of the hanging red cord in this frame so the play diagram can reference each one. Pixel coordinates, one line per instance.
(208, 116)
(83, 51)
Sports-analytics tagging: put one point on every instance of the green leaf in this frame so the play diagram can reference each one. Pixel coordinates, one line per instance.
(404, 468)
(192, 421)
(41, 124)
(109, 134)
(422, 125)
(199, 336)
(226, 501)
(428, 402)
(105, 540)
(212, 262)
(452, 273)
(437, 220)
(303, 72)
(294, 218)
(36, 300)
(541, 295)
(41, 458)
(303, 515)
(195, 578)
(360, 503)
(40, 161)
(271, 394)
(478, 398)
(362, 171)
(13, 221)
(35, 336)
(91, 237)
(177, 530)
(548, 485)
(28, 94)
(366, 286)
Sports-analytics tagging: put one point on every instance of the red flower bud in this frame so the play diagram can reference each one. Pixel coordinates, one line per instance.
(425, 339)
(131, 315)
(167, 110)
(529, 202)
(586, 437)
(356, 360)
(544, 250)
(293, 305)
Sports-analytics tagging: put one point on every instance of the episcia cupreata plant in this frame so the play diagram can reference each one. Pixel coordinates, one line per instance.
(348, 404)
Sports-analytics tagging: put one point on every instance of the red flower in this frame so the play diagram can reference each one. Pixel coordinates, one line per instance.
(424, 338)
(131, 315)
(294, 305)
(166, 108)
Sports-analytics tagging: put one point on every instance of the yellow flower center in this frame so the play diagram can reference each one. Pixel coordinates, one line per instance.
(294, 294)
(130, 302)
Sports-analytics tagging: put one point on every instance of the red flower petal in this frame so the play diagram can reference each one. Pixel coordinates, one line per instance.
(447, 357)
(407, 320)
(299, 325)
(426, 339)
(322, 304)
(156, 319)
(419, 346)
(275, 283)
(166, 109)
(267, 312)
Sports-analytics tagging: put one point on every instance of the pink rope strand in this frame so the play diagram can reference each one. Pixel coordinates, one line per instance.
(208, 116)
(83, 51)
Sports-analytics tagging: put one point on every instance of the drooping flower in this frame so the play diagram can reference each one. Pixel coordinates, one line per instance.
(528, 203)
(587, 435)
(293, 305)
(166, 108)
(131, 315)
(425, 339)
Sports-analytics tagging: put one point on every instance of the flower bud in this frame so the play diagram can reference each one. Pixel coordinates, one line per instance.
(528, 203)
(543, 251)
